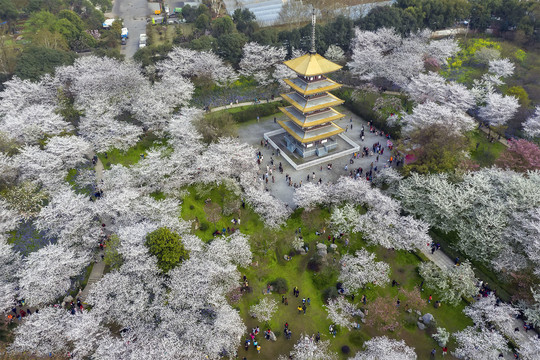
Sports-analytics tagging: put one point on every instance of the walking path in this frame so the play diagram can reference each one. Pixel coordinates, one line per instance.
(502, 140)
(444, 262)
(99, 266)
(233, 105)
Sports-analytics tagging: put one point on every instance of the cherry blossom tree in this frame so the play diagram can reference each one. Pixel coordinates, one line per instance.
(341, 312)
(282, 72)
(46, 273)
(31, 124)
(532, 312)
(11, 263)
(54, 330)
(71, 218)
(308, 349)
(501, 67)
(344, 219)
(385, 54)
(9, 218)
(105, 133)
(264, 309)
(334, 53)
(388, 229)
(529, 350)
(441, 50)
(499, 109)
(479, 343)
(27, 198)
(182, 62)
(433, 87)
(361, 269)
(382, 347)
(101, 85)
(8, 169)
(430, 113)
(388, 176)
(521, 156)
(532, 125)
(488, 311)
(474, 207)
(260, 61)
(451, 284)
(20, 94)
(524, 235)
(441, 336)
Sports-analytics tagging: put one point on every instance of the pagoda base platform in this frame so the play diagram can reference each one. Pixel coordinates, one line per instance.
(301, 159)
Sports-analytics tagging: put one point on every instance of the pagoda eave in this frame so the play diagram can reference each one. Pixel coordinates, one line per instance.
(334, 115)
(332, 101)
(309, 139)
(305, 91)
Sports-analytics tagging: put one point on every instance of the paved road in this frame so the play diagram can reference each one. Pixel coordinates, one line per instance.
(134, 13)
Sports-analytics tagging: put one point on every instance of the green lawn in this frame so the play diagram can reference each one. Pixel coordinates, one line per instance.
(269, 248)
(133, 154)
(487, 152)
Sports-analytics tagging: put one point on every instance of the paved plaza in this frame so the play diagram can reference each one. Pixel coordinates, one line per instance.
(252, 133)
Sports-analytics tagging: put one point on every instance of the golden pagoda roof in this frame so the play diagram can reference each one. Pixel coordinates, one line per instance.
(314, 87)
(311, 65)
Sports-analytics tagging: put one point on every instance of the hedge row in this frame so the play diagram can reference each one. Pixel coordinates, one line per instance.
(260, 110)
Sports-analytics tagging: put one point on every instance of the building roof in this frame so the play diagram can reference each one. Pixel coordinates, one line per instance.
(304, 120)
(308, 136)
(311, 65)
(313, 87)
(313, 104)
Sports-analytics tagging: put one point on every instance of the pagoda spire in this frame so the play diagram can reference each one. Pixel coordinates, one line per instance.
(313, 21)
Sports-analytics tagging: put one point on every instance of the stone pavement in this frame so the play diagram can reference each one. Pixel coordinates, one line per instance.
(252, 134)
(99, 266)
(234, 105)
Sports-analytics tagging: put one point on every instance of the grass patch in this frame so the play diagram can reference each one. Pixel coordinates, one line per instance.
(133, 154)
(269, 248)
(486, 152)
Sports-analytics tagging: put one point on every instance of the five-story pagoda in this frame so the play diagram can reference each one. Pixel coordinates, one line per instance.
(310, 128)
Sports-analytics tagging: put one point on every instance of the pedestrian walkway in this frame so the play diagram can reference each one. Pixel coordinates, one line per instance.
(233, 105)
(502, 140)
(97, 271)
(444, 262)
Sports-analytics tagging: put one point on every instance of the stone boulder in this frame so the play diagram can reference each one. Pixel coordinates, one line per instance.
(421, 326)
(427, 318)
(272, 336)
(333, 247)
(321, 249)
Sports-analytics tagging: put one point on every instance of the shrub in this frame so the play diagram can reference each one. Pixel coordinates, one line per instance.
(167, 246)
(325, 278)
(280, 285)
(315, 263)
(203, 227)
(330, 293)
(345, 349)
